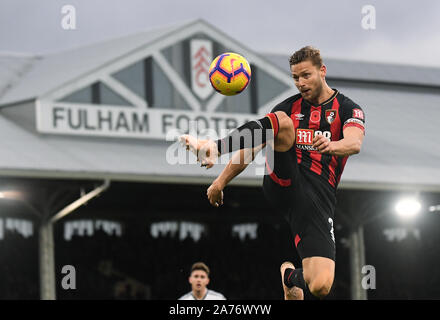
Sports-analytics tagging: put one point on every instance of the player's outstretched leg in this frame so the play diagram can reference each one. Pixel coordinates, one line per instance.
(319, 274)
(293, 293)
(277, 127)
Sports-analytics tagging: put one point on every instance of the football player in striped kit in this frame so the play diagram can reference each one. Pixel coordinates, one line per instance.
(310, 137)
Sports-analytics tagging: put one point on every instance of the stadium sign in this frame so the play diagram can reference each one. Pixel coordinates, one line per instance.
(123, 122)
(164, 76)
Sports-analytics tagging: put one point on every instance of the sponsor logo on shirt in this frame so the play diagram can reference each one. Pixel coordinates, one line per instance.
(357, 113)
(304, 138)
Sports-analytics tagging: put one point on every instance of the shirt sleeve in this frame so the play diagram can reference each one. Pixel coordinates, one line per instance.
(187, 296)
(353, 116)
(278, 107)
(285, 105)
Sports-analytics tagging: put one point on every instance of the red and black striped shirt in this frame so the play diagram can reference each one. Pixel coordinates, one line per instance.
(330, 119)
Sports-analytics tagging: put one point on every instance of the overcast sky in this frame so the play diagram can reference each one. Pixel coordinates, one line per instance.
(406, 32)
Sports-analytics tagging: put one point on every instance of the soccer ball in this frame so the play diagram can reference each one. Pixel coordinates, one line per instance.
(229, 73)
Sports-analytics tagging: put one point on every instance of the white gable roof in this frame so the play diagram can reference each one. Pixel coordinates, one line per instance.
(54, 70)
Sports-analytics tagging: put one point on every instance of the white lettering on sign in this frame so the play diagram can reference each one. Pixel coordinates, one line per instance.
(20, 226)
(93, 120)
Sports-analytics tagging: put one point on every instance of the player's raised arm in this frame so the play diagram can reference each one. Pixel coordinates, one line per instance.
(239, 161)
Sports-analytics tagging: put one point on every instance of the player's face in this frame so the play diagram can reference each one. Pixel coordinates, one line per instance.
(309, 79)
(198, 280)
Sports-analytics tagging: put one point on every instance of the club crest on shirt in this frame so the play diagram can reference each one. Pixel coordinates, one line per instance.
(330, 115)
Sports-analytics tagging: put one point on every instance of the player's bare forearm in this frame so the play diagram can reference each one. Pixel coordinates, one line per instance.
(238, 163)
(346, 147)
(240, 160)
(349, 145)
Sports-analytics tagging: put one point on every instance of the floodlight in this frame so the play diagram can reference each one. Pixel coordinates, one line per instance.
(408, 208)
(10, 195)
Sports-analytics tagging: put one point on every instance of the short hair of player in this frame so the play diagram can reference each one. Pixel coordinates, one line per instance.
(307, 53)
(200, 266)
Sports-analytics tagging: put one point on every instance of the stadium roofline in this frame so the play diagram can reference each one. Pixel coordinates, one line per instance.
(37, 74)
(370, 72)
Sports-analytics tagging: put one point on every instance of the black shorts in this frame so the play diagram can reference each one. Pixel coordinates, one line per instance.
(306, 201)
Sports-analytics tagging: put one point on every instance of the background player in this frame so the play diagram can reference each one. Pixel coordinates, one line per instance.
(199, 279)
(314, 132)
